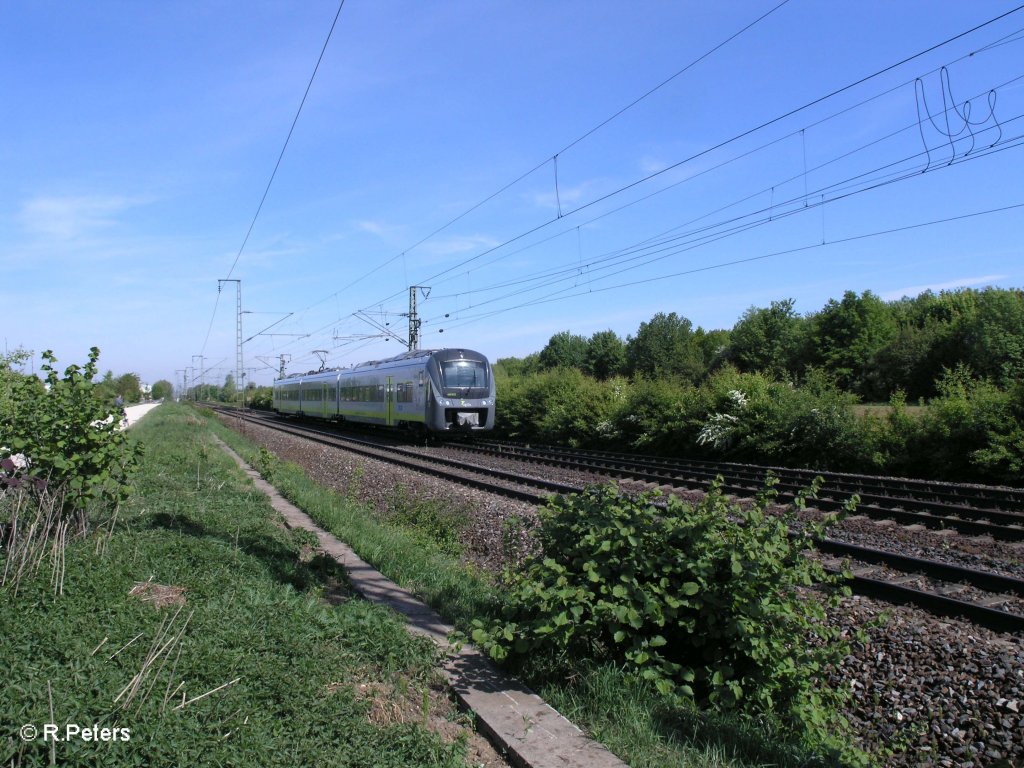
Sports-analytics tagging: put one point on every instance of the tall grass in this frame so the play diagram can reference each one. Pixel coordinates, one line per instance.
(35, 527)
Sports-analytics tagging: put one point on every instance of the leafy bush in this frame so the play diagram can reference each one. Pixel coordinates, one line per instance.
(558, 406)
(659, 416)
(751, 417)
(971, 431)
(260, 397)
(68, 432)
(707, 601)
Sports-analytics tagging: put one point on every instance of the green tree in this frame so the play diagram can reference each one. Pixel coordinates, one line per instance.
(127, 385)
(995, 345)
(849, 334)
(665, 346)
(714, 346)
(517, 366)
(765, 339)
(564, 350)
(606, 355)
(163, 390)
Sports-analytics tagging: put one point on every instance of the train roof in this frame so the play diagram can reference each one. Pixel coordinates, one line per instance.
(410, 355)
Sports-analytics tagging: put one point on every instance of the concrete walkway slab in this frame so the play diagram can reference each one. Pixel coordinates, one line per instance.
(515, 719)
(135, 412)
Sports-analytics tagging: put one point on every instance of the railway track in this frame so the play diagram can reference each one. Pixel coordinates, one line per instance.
(969, 510)
(989, 599)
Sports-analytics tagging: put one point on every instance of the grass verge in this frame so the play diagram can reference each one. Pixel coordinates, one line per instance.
(196, 635)
(624, 713)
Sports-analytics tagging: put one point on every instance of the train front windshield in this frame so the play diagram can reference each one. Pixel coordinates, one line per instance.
(464, 373)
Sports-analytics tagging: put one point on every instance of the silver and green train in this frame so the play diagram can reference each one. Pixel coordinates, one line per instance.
(437, 391)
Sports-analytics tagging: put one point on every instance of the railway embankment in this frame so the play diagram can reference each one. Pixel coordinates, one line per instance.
(420, 538)
(923, 689)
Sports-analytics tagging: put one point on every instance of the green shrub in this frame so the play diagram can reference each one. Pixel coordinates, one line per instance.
(260, 397)
(69, 433)
(971, 431)
(559, 406)
(754, 418)
(659, 416)
(708, 601)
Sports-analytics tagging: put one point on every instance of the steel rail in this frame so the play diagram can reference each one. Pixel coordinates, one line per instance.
(967, 520)
(963, 494)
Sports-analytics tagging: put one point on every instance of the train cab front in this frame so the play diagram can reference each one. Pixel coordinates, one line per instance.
(465, 397)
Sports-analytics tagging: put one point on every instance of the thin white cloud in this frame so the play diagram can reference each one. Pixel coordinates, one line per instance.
(459, 244)
(67, 218)
(565, 196)
(372, 227)
(962, 282)
(649, 165)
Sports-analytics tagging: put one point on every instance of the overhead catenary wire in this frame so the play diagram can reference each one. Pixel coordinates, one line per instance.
(733, 139)
(661, 249)
(554, 157)
(288, 138)
(773, 211)
(761, 257)
(737, 226)
(657, 248)
(464, 263)
(1008, 39)
(277, 165)
(765, 190)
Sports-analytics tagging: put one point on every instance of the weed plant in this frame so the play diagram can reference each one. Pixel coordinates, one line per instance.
(707, 601)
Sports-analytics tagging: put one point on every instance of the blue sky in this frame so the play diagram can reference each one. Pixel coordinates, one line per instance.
(138, 139)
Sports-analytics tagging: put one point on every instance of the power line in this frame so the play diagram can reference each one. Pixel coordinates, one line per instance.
(717, 146)
(1007, 39)
(654, 250)
(277, 165)
(288, 138)
(553, 158)
(659, 247)
(734, 262)
(729, 141)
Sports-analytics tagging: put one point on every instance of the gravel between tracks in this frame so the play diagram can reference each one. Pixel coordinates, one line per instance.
(925, 691)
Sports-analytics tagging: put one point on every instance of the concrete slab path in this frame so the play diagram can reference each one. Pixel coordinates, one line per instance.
(135, 412)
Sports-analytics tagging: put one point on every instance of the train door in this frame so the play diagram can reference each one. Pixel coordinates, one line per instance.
(389, 406)
(324, 411)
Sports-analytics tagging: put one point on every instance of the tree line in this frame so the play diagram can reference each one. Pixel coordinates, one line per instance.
(870, 347)
(780, 387)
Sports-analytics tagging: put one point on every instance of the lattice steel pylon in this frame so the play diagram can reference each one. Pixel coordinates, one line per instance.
(414, 318)
(239, 369)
